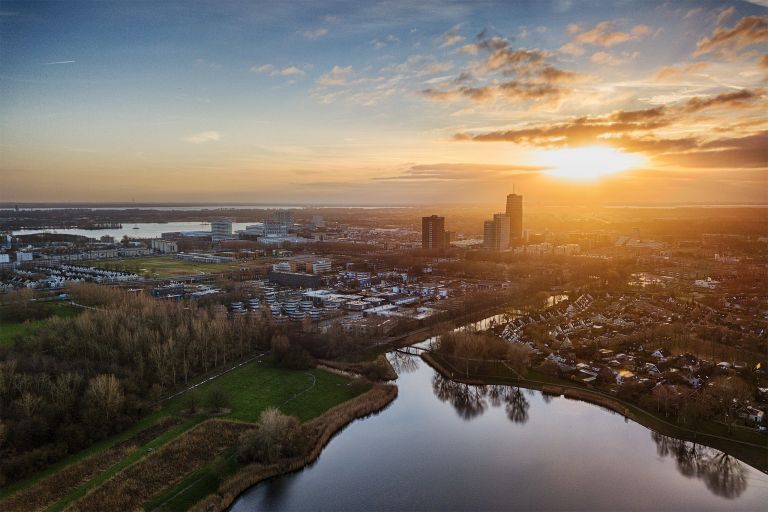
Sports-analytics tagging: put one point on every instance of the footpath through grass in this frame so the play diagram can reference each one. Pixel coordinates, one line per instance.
(249, 389)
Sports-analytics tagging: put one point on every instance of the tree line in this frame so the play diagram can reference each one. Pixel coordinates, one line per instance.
(77, 380)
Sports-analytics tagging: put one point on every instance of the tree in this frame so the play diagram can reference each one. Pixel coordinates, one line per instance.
(727, 395)
(192, 401)
(106, 394)
(275, 437)
(218, 399)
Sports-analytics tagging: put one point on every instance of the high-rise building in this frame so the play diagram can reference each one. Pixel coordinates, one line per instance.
(496, 233)
(221, 230)
(433, 232)
(501, 228)
(488, 235)
(515, 213)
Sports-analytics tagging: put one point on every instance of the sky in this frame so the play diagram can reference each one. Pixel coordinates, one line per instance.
(428, 102)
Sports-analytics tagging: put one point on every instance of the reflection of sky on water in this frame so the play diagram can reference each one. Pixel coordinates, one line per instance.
(448, 446)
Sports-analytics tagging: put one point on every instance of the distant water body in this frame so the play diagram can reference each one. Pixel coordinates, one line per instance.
(193, 208)
(134, 230)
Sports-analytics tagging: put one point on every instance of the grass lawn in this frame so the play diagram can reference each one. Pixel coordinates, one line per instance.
(8, 330)
(250, 389)
(259, 384)
(163, 266)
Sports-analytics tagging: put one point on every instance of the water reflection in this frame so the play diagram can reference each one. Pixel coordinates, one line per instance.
(403, 363)
(471, 401)
(724, 475)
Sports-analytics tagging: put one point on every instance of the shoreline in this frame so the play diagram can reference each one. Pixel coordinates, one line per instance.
(742, 450)
(323, 428)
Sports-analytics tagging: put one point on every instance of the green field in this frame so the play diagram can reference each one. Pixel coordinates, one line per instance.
(162, 266)
(249, 389)
(306, 398)
(9, 330)
(258, 385)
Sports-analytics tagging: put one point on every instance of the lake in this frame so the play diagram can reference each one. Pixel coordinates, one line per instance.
(145, 229)
(442, 445)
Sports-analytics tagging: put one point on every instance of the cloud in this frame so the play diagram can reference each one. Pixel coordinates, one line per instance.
(604, 34)
(692, 12)
(668, 73)
(290, 70)
(633, 130)
(378, 44)
(269, 69)
(507, 73)
(447, 172)
(338, 75)
(724, 14)
(612, 59)
(315, 33)
(736, 99)
(748, 31)
(450, 38)
(56, 63)
(726, 153)
(203, 137)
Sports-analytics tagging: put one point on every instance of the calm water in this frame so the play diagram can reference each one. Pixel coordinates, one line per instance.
(447, 446)
(145, 229)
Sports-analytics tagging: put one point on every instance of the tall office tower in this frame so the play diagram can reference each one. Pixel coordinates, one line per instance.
(501, 230)
(221, 230)
(496, 233)
(488, 235)
(433, 232)
(515, 213)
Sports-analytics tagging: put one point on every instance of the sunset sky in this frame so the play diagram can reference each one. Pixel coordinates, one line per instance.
(384, 103)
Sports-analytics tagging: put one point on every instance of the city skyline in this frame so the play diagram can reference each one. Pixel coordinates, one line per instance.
(383, 103)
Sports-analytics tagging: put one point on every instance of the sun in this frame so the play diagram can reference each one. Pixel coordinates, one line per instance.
(588, 163)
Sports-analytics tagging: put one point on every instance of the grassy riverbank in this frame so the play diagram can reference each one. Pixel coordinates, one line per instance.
(318, 432)
(749, 447)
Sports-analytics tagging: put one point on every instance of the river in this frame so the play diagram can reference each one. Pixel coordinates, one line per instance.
(442, 445)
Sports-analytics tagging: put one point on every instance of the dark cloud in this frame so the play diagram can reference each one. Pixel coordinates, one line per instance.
(513, 74)
(748, 31)
(580, 130)
(629, 129)
(740, 98)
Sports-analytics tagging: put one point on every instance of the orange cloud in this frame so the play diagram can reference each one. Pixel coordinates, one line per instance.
(748, 31)
(603, 34)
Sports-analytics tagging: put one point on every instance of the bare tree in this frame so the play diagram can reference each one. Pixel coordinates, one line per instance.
(106, 393)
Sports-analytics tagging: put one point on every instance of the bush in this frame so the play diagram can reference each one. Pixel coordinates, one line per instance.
(276, 437)
(217, 399)
(192, 402)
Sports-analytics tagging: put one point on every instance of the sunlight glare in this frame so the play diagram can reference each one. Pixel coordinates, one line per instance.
(588, 163)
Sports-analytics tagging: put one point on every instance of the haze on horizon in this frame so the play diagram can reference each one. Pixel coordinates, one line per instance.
(383, 103)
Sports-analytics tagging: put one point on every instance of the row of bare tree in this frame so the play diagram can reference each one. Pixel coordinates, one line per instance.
(77, 380)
